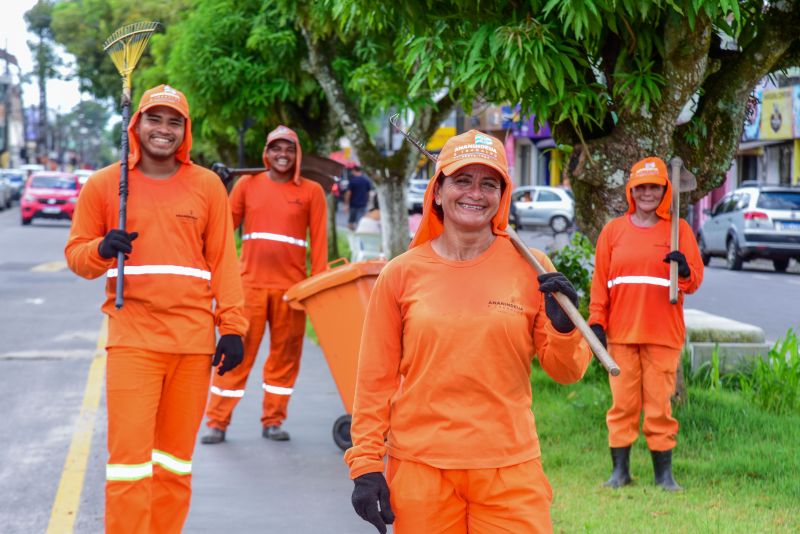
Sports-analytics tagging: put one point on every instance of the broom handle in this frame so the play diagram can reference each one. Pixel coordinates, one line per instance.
(123, 193)
(569, 308)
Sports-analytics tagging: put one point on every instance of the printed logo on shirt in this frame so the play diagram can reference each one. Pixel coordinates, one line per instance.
(661, 245)
(504, 306)
(295, 201)
(187, 216)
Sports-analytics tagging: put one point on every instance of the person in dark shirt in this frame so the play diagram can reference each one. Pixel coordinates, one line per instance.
(356, 197)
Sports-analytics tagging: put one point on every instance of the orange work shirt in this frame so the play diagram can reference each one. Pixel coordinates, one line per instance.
(277, 217)
(183, 260)
(445, 360)
(630, 285)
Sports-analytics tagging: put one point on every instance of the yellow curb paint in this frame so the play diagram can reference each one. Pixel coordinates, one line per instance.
(67, 501)
(49, 267)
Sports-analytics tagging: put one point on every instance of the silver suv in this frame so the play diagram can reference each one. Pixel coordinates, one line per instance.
(754, 221)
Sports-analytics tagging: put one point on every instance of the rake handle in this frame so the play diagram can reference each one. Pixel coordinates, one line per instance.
(123, 194)
(569, 308)
(675, 177)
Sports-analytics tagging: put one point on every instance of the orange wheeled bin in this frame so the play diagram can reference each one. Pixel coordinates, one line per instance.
(336, 302)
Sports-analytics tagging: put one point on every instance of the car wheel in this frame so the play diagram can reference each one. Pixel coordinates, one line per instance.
(559, 224)
(780, 264)
(26, 222)
(704, 255)
(733, 258)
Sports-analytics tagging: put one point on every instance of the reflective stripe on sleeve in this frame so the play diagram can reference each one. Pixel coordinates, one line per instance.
(129, 472)
(652, 280)
(227, 392)
(161, 269)
(171, 463)
(277, 390)
(274, 237)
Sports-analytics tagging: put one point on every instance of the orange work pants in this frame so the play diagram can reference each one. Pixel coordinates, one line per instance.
(155, 406)
(646, 380)
(286, 331)
(425, 499)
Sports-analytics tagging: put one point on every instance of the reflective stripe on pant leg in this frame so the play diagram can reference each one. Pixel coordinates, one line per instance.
(659, 365)
(623, 417)
(522, 488)
(425, 499)
(227, 390)
(179, 417)
(134, 380)
(286, 329)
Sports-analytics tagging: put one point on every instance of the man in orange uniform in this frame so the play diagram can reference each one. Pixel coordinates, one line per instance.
(182, 262)
(443, 386)
(630, 306)
(279, 208)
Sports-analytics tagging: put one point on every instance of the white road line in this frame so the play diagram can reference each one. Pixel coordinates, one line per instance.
(762, 277)
(47, 354)
(49, 267)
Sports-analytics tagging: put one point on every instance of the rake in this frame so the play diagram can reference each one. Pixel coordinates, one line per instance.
(569, 308)
(125, 46)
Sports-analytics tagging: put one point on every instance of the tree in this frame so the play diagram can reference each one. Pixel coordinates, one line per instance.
(46, 62)
(610, 76)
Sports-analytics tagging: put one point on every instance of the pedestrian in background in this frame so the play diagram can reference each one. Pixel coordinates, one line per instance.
(278, 209)
(356, 196)
(443, 384)
(181, 279)
(630, 309)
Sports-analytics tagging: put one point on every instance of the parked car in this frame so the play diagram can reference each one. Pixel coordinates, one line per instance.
(16, 179)
(49, 195)
(415, 193)
(6, 192)
(83, 175)
(541, 205)
(756, 221)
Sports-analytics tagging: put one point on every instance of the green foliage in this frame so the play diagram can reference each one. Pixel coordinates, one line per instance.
(774, 382)
(576, 262)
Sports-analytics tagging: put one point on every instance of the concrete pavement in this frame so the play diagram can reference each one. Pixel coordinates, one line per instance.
(249, 484)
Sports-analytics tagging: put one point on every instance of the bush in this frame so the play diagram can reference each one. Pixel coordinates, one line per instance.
(774, 382)
(576, 262)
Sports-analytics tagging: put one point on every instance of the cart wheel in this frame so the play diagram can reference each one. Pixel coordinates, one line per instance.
(341, 432)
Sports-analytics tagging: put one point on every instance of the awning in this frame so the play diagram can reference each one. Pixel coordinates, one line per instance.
(755, 148)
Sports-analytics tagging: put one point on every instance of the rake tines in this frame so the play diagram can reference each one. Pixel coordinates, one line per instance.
(125, 46)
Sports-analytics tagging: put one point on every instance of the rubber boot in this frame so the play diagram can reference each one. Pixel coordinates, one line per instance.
(662, 467)
(621, 475)
(214, 436)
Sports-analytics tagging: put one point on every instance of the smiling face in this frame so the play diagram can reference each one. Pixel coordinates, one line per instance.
(469, 198)
(281, 155)
(161, 130)
(647, 197)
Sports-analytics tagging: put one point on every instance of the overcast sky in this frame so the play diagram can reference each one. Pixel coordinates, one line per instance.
(61, 95)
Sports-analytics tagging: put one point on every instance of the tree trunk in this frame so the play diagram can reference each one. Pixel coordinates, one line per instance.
(394, 217)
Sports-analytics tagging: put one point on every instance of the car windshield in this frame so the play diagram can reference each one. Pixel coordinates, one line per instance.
(779, 200)
(53, 182)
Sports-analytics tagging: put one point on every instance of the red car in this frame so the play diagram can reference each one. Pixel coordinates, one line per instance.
(50, 195)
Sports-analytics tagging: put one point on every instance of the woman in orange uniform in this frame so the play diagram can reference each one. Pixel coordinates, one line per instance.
(181, 280)
(443, 385)
(630, 307)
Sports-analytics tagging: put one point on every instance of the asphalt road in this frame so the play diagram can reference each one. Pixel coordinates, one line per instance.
(49, 326)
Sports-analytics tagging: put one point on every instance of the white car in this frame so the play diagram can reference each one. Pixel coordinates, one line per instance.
(83, 175)
(542, 205)
(6, 192)
(415, 193)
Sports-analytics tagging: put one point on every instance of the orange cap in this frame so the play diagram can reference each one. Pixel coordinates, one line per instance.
(469, 148)
(648, 171)
(165, 95)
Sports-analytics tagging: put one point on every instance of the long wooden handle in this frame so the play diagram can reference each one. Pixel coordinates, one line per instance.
(676, 163)
(569, 308)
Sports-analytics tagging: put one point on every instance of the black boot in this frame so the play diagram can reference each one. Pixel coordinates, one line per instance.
(662, 467)
(621, 475)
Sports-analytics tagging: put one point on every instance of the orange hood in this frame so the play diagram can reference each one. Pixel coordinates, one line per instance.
(466, 149)
(650, 171)
(162, 95)
(287, 134)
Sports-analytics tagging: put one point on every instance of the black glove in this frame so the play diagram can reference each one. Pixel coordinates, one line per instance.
(600, 333)
(117, 241)
(683, 267)
(557, 282)
(231, 346)
(371, 489)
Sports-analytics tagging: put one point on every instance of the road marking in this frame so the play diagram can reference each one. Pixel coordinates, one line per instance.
(761, 277)
(36, 301)
(795, 282)
(50, 267)
(68, 496)
(55, 354)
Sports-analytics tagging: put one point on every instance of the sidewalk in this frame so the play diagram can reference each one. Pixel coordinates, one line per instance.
(249, 484)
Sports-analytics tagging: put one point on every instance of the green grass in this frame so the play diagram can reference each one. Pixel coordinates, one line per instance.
(739, 465)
